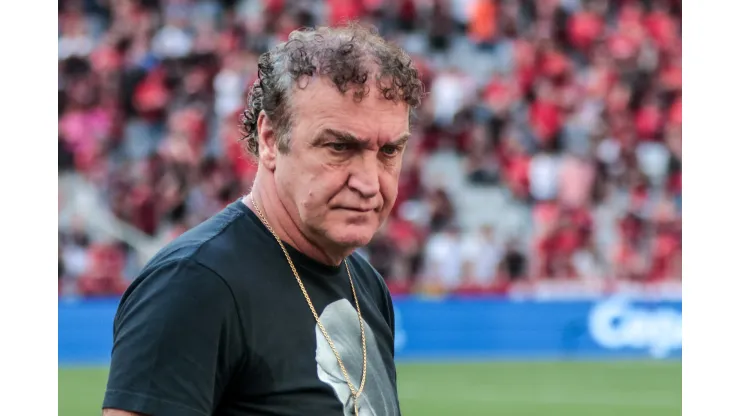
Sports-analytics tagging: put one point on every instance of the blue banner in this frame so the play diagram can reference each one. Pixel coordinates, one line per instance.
(457, 328)
(486, 328)
(86, 331)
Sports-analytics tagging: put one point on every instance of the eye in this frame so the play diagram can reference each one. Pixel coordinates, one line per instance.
(338, 147)
(390, 150)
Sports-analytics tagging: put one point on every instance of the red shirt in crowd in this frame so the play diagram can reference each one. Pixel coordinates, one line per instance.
(584, 28)
(544, 117)
(524, 61)
(104, 276)
(344, 10)
(662, 29)
(665, 247)
(648, 122)
(674, 114)
(516, 173)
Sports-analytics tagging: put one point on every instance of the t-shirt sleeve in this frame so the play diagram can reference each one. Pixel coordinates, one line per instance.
(387, 309)
(177, 338)
(390, 315)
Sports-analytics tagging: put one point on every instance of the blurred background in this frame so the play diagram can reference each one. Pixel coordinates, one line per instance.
(534, 252)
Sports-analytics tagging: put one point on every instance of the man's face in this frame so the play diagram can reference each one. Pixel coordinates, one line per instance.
(339, 180)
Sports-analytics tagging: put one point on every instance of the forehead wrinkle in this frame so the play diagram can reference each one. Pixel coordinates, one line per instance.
(313, 105)
(348, 137)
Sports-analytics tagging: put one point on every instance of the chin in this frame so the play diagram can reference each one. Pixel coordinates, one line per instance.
(352, 236)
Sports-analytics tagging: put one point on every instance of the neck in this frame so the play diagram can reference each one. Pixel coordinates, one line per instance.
(265, 196)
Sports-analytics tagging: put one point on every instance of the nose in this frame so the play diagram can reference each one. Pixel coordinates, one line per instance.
(363, 177)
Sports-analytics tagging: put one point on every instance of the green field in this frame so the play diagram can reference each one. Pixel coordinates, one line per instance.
(634, 388)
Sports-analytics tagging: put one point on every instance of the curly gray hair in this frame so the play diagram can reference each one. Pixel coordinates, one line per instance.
(347, 55)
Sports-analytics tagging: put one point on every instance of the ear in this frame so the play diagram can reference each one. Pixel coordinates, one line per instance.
(267, 137)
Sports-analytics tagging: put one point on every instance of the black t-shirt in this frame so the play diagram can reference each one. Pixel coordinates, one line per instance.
(216, 324)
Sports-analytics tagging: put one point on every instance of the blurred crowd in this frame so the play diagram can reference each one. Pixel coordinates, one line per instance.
(571, 109)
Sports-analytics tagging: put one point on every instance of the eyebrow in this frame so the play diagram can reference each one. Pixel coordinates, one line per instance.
(401, 140)
(349, 138)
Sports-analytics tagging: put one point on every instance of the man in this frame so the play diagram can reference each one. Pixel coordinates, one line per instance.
(264, 309)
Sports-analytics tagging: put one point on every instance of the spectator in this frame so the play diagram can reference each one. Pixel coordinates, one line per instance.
(443, 261)
(482, 253)
(442, 212)
(514, 263)
(104, 274)
(73, 251)
(544, 171)
(482, 27)
(588, 263)
(450, 92)
(74, 41)
(576, 181)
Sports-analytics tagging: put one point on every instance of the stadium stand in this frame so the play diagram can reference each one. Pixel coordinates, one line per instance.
(547, 152)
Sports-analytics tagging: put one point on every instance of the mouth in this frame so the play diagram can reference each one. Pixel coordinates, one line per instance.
(361, 210)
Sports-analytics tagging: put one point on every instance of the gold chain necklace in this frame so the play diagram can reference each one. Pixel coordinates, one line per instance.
(355, 392)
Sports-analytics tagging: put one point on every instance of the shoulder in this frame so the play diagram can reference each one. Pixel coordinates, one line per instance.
(376, 286)
(204, 259)
(198, 242)
(178, 283)
(370, 277)
(369, 272)
(226, 244)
